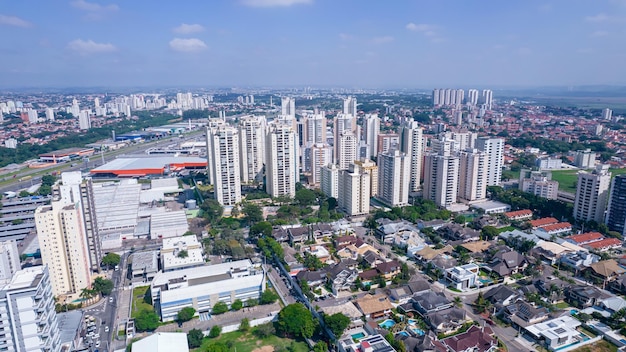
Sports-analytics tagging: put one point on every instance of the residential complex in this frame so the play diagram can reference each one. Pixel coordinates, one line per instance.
(592, 193)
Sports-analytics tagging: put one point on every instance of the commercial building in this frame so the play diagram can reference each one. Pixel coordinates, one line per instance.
(28, 319)
(354, 191)
(167, 224)
(223, 145)
(281, 162)
(17, 216)
(117, 208)
(494, 148)
(592, 191)
(329, 180)
(202, 287)
(140, 166)
(180, 253)
(394, 172)
(616, 214)
(412, 145)
(251, 147)
(64, 249)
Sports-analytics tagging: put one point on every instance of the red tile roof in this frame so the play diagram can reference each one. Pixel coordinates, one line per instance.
(557, 227)
(523, 212)
(543, 222)
(605, 243)
(586, 237)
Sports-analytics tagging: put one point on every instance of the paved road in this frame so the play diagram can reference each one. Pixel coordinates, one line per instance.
(279, 285)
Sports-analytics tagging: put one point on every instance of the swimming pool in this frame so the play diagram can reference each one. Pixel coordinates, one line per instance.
(358, 336)
(412, 321)
(387, 324)
(573, 312)
(403, 333)
(419, 331)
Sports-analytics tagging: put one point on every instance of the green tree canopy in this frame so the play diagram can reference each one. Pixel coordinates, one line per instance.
(262, 228)
(268, 297)
(236, 305)
(111, 259)
(215, 331)
(146, 320)
(305, 197)
(489, 233)
(252, 213)
(219, 308)
(321, 346)
(296, 320)
(212, 210)
(185, 314)
(194, 338)
(244, 325)
(103, 286)
(337, 323)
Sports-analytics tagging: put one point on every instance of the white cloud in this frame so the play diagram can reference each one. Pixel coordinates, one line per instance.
(383, 39)
(273, 3)
(601, 17)
(422, 27)
(189, 45)
(93, 7)
(87, 47)
(598, 34)
(14, 21)
(188, 28)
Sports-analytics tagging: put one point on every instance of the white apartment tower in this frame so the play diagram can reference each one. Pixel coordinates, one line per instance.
(370, 167)
(251, 147)
(472, 176)
(9, 260)
(346, 149)
(607, 114)
(412, 144)
(224, 149)
(329, 180)
(472, 97)
(354, 191)
(84, 122)
(394, 173)
(371, 124)
(441, 178)
(592, 194)
(64, 248)
(317, 156)
(315, 128)
(212, 124)
(28, 320)
(487, 98)
(342, 122)
(350, 106)
(288, 107)
(494, 148)
(50, 114)
(281, 161)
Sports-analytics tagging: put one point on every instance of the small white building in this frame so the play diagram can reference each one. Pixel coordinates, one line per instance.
(180, 253)
(463, 277)
(558, 333)
(162, 342)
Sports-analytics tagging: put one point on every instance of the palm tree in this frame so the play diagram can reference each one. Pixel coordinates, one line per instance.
(85, 294)
(457, 302)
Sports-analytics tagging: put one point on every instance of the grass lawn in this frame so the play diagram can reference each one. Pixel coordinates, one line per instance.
(506, 228)
(567, 178)
(247, 342)
(138, 303)
(562, 305)
(600, 346)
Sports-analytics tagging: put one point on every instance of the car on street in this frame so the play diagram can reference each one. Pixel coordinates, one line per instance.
(110, 299)
(106, 329)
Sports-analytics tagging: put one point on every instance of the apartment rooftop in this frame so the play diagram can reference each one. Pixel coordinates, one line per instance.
(181, 252)
(25, 278)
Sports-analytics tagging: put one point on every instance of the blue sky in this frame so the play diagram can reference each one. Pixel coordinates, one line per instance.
(349, 43)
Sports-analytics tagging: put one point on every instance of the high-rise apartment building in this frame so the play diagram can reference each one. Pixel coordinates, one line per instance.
(354, 191)
(472, 176)
(281, 161)
(28, 321)
(314, 130)
(212, 124)
(342, 123)
(371, 124)
(317, 156)
(494, 148)
(84, 121)
(394, 173)
(251, 147)
(9, 260)
(224, 149)
(346, 149)
(50, 114)
(370, 167)
(592, 191)
(472, 97)
(487, 99)
(329, 180)
(412, 145)
(288, 107)
(538, 183)
(441, 179)
(64, 249)
(616, 213)
(585, 159)
(607, 114)
(350, 106)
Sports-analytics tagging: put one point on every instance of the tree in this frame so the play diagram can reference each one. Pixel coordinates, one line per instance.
(251, 302)
(296, 320)
(337, 323)
(305, 197)
(48, 180)
(218, 346)
(458, 302)
(146, 320)
(23, 194)
(185, 314)
(481, 303)
(44, 190)
(219, 308)
(244, 325)
(103, 286)
(312, 262)
(236, 305)
(194, 338)
(111, 259)
(264, 330)
(321, 346)
(268, 297)
(183, 254)
(459, 219)
(489, 232)
(212, 210)
(215, 331)
(252, 213)
(261, 228)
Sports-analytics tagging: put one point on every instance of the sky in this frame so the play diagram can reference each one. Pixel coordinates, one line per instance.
(317, 43)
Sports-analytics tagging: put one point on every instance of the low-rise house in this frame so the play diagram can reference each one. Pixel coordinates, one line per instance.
(404, 293)
(298, 235)
(422, 343)
(443, 262)
(508, 263)
(313, 278)
(618, 285)
(502, 295)
(585, 238)
(372, 258)
(427, 254)
(475, 339)
(374, 306)
(341, 276)
(605, 271)
(389, 269)
(557, 333)
(367, 276)
(463, 277)
(320, 231)
(348, 309)
(456, 232)
(543, 222)
(613, 304)
(388, 229)
(578, 260)
(432, 224)
(559, 229)
(519, 215)
(524, 314)
(426, 302)
(604, 244)
(280, 234)
(550, 251)
(447, 320)
(372, 343)
(585, 296)
(319, 251)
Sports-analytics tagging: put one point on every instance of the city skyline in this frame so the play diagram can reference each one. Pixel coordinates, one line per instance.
(83, 43)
